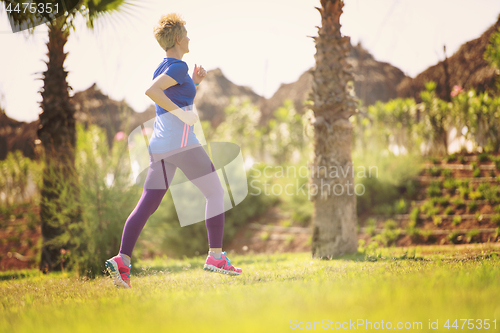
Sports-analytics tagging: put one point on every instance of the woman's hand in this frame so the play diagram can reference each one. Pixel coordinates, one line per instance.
(199, 73)
(189, 117)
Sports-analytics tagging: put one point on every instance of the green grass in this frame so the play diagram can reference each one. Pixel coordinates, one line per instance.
(178, 296)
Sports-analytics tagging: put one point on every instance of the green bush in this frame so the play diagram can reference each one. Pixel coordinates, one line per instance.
(497, 163)
(15, 173)
(429, 208)
(476, 172)
(490, 192)
(483, 157)
(448, 211)
(434, 189)
(451, 158)
(435, 171)
(391, 176)
(414, 215)
(390, 234)
(459, 203)
(105, 205)
(437, 221)
(443, 201)
(464, 191)
(450, 184)
(446, 173)
(496, 219)
(456, 220)
(472, 206)
(453, 237)
(476, 195)
(413, 232)
(426, 234)
(401, 207)
(471, 234)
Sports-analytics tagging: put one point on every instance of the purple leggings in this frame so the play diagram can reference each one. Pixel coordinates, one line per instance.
(194, 163)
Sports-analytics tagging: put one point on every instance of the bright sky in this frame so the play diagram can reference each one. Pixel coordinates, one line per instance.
(256, 43)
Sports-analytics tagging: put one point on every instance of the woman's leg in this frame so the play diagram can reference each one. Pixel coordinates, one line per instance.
(160, 174)
(195, 163)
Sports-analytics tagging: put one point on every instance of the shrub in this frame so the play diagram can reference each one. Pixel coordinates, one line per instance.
(414, 215)
(446, 173)
(401, 207)
(413, 232)
(456, 220)
(496, 219)
(497, 163)
(426, 234)
(464, 191)
(432, 212)
(448, 211)
(476, 172)
(471, 234)
(33, 220)
(443, 201)
(265, 236)
(483, 157)
(434, 160)
(437, 221)
(390, 234)
(489, 192)
(459, 203)
(435, 171)
(453, 237)
(433, 190)
(472, 206)
(475, 195)
(451, 158)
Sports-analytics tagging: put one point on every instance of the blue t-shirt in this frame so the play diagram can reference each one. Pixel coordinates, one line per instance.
(170, 132)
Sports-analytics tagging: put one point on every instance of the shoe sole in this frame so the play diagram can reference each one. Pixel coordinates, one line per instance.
(113, 271)
(213, 268)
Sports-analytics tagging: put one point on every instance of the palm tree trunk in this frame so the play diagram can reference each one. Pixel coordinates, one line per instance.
(58, 206)
(334, 217)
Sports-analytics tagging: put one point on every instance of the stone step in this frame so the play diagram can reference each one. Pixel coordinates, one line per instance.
(438, 231)
(401, 217)
(460, 166)
(419, 203)
(290, 230)
(428, 179)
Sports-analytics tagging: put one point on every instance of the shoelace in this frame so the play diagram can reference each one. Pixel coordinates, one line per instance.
(229, 262)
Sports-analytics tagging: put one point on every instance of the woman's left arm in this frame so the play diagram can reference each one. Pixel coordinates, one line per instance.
(199, 74)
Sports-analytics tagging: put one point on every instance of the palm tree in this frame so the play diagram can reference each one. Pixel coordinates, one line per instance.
(59, 208)
(334, 231)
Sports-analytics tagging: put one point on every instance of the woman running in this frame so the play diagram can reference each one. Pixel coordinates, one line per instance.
(173, 145)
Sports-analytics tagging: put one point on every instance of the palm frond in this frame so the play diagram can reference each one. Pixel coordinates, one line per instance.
(99, 10)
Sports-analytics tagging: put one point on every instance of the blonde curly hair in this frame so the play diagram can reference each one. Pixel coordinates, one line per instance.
(168, 28)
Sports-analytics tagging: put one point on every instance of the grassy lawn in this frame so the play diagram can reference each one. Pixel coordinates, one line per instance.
(276, 293)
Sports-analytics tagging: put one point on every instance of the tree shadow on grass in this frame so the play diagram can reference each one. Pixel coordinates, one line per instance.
(197, 263)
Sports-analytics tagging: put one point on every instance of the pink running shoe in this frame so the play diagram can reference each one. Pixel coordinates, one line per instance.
(223, 265)
(120, 273)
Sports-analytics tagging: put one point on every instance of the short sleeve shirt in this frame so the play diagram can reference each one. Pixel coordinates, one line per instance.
(170, 132)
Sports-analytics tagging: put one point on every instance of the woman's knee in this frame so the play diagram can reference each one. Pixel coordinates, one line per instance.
(215, 190)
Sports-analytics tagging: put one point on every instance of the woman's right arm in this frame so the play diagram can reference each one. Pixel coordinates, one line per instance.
(155, 92)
